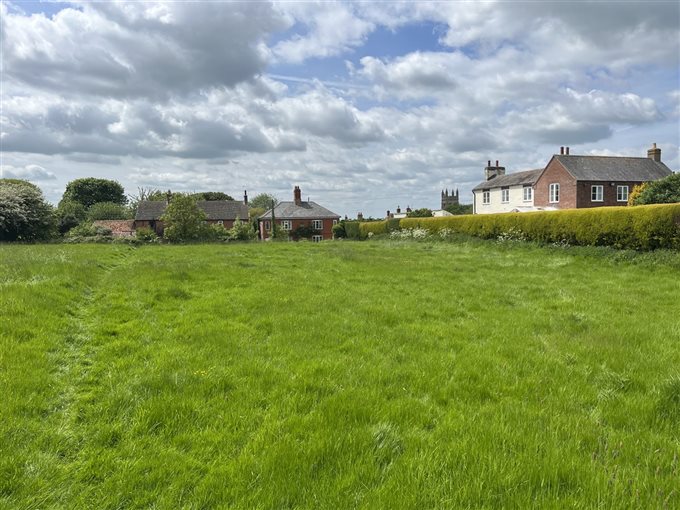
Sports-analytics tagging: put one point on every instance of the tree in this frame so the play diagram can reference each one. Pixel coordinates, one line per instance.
(69, 215)
(24, 213)
(183, 220)
(108, 211)
(241, 231)
(339, 231)
(90, 190)
(420, 213)
(211, 196)
(663, 191)
(459, 209)
(263, 201)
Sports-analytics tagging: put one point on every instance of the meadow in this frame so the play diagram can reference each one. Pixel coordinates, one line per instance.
(338, 375)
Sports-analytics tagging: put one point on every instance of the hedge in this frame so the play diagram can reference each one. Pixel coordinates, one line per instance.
(646, 227)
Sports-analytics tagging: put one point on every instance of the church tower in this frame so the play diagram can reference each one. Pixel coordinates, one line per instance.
(449, 199)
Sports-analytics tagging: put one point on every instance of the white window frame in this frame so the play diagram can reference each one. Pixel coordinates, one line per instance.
(317, 224)
(286, 224)
(267, 225)
(335, 222)
(619, 189)
(594, 189)
(220, 222)
(486, 197)
(317, 238)
(527, 197)
(505, 195)
(554, 190)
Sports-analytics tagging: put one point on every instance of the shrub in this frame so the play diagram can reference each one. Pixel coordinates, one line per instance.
(69, 214)
(241, 231)
(374, 227)
(24, 213)
(352, 230)
(640, 228)
(184, 221)
(146, 234)
(663, 191)
(339, 230)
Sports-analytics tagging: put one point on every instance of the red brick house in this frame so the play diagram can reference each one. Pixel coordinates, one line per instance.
(291, 216)
(221, 212)
(575, 182)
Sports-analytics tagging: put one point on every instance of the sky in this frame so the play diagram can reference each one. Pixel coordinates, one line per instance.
(366, 106)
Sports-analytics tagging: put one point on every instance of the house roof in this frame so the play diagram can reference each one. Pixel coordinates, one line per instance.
(613, 168)
(306, 210)
(117, 227)
(213, 209)
(514, 179)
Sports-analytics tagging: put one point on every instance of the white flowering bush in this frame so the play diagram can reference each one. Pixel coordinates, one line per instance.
(446, 233)
(512, 234)
(417, 234)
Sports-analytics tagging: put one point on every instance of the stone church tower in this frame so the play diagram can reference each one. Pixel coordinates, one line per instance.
(449, 199)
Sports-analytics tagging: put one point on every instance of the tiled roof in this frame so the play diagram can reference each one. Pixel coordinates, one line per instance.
(613, 168)
(214, 210)
(514, 179)
(307, 210)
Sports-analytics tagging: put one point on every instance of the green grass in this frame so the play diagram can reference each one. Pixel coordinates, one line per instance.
(338, 375)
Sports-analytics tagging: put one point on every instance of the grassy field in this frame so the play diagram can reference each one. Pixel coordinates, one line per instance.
(338, 375)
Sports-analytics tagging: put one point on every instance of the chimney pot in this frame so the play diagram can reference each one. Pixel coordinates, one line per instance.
(496, 162)
(567, 151)
(297, 195)
(488, 163)
(562, 150)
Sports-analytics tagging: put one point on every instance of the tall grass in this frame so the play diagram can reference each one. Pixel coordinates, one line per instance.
(337, 375)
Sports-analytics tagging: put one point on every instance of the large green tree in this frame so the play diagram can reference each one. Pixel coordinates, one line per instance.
(211, 196)
(90, 190)
(263, 201)
(420, 213)
(24, 213)
(69, 215)
(108, 211)
(183, 220)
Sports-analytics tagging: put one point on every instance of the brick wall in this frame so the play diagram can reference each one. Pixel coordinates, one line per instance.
(556, 173)
(584, 193)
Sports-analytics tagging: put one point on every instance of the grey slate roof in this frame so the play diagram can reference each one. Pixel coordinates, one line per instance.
(514, 179)
(306, 210)
(214, 210)
(613, 168)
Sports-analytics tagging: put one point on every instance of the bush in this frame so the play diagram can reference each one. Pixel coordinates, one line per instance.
(352, 230)
(184, 221)
(69, 214)
(242, 231)
(24, 213)
(146, 234)
(663, 191)
(640, 228)
(339, 230)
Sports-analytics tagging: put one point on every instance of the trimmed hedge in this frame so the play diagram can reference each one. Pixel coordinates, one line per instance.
(641, 228)
(352, 230)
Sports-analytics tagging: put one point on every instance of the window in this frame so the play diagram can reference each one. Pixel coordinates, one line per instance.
(554, 193)
(527, 193)
(317, 239)
(486, 196)
(317, 224)
(597, 193)
(267, 225)
(220, 222)
(286, 224)
(622, 193)
(505, 195)
(335, 222)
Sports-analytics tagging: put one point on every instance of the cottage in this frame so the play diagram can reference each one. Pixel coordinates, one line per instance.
(298, 217)
(220, 212)
(504, 193)
(567, 182)
(570, 181)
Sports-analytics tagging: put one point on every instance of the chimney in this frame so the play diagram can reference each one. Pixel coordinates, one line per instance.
(566, 150)
(398, 210)
(408, 209)
(245, 197)
(388, 214)
(168, 196)
(654, 153)
(562, 150)
(297, 195)
(360, 216)
(493, 171)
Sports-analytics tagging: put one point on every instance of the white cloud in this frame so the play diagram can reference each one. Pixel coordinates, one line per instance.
(27, 172)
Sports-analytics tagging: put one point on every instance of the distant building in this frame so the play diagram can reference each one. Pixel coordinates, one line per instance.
(290, 216)
(504, 193)
(451, 199)
(220, 212)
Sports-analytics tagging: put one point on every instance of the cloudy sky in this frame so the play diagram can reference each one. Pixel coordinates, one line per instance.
(365, 106)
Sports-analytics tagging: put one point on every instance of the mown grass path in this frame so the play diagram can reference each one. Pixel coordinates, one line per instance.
(339, 375)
